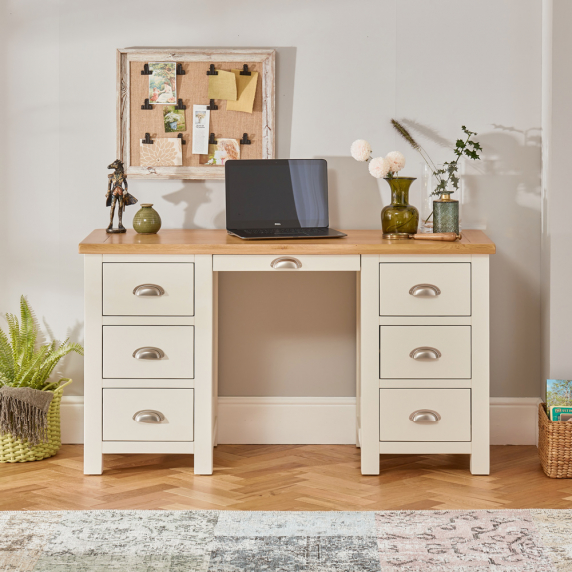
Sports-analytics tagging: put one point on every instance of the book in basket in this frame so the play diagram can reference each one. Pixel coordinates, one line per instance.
(560, 413)
(558, 394)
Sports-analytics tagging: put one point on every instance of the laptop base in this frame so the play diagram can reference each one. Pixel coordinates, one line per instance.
(271, 234)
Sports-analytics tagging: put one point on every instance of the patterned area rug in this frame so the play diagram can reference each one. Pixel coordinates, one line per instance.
(207, 541)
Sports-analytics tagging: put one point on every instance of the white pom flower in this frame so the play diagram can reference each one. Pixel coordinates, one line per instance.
(378, 167)
(360, 150)
(396, 161)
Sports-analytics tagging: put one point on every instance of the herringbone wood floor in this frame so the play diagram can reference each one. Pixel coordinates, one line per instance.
(282, 477)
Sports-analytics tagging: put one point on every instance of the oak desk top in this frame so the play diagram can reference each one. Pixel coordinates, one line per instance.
(202, 241)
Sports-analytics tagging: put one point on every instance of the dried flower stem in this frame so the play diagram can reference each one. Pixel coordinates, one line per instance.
(409, 138)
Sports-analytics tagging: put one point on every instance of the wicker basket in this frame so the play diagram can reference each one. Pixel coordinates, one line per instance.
(18, 451)
(554, 446)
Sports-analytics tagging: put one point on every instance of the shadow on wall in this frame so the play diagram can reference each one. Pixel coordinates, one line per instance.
(202, 209)
(285, 74)
(355, 198)
(71, 365)
(504, 199)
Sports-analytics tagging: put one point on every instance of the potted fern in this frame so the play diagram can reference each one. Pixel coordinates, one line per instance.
(29, 401)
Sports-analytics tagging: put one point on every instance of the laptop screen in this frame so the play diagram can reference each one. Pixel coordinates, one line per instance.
(276, 193)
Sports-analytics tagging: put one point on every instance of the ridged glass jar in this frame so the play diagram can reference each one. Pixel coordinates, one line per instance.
(445, 214)
(147, 220)
(399, 219)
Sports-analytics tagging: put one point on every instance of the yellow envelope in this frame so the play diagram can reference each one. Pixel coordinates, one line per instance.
(222, 86)
(246, 90)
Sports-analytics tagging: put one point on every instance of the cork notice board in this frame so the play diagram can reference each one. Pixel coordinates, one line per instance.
(192, 87)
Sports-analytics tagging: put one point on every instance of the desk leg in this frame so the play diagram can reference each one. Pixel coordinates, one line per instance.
(215, 357)
(93, 368)
(480, 400)
(358, 358)
(369, 364)
(204, 364)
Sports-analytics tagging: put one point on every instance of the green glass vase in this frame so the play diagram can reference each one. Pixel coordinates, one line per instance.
(399, 219)
(147, 220)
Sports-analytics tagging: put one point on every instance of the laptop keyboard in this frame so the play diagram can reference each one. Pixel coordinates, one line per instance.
(286, 231)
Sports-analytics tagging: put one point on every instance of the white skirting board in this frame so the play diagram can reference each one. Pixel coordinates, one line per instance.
(318, 420)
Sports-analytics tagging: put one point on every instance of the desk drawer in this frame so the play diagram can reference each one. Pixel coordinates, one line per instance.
(286, 263)
(170, 353)
(441, 414)
(425, 289)
(148, 289)
(164, 414)
(425, 352)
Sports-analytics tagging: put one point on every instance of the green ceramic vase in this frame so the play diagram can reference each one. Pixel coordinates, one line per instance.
(399, 219)
(147, 220)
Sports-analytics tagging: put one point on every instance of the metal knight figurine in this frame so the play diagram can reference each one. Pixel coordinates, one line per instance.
(116, 193)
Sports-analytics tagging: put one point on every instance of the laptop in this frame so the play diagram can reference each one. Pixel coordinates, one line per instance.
(278, 198)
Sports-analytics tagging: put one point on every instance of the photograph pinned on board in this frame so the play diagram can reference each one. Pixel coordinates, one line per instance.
(164, 152)
(201, 118)
(224, 150)
(174, 119)
(163, 82)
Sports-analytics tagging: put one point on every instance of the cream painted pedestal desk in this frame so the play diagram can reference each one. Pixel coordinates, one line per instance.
(151, 339)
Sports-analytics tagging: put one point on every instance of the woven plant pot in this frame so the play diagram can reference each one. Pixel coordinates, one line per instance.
(554, 446)
(18, 451)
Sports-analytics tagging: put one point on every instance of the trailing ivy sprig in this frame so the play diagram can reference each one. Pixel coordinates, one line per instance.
(448, 173)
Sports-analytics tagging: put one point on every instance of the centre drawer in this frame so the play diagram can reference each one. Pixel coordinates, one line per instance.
(425, 352)
(148, 289)
(148, 414)
(424, 414)
(425, 289)
(286, 262)
(148, 352)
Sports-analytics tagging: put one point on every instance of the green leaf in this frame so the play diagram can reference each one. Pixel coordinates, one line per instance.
(472, 154)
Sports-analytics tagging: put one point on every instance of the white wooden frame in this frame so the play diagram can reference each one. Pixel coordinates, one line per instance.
(181, 55)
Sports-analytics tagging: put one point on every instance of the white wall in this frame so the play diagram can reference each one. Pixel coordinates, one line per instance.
(343, 71)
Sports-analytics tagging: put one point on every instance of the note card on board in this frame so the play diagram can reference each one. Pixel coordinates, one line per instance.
(222, 86)
(246, 90)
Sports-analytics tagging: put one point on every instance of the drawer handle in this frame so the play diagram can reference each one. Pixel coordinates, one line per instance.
(148, 416)
(425, 291)
(148, 353)
(286, 262)
(425, 416)
(425, 354)
(148, 290)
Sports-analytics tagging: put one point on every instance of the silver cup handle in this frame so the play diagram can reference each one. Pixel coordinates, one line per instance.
(425, 291)
(148, 416)
(425, 353)
(286, 262)
(425, 416)
(148, 353)
(144, 290)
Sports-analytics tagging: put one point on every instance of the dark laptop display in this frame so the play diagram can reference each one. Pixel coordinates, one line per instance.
(278, 198)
